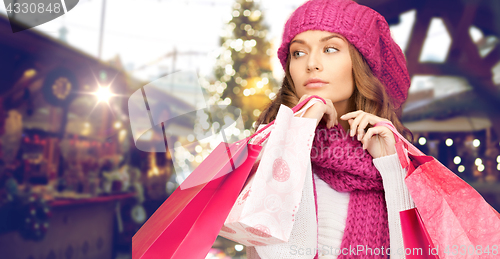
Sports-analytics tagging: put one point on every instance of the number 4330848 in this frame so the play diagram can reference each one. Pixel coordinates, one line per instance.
(471, 250)
(34, 8)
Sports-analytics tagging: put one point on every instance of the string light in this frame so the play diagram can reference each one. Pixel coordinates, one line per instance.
(226, 78)
(478, 161)
(238, 248)
(229, 69)
(216, 125)
(480, 168)
(199, 159)
(461, 168)
(422, 141)
(122, 134)
(457, 160)
(29, 73)
(255, 15)
(498, 159)
(476, 142)
(449, 142)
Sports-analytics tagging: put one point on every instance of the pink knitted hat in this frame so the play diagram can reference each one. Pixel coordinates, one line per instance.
(364, 28)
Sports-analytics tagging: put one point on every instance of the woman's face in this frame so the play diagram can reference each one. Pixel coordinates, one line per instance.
(320, 64)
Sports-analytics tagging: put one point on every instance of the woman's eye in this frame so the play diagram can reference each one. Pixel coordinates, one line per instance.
(298, 54)
(331, 50)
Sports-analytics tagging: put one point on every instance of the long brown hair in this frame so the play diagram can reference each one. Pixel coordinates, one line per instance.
(369, 95)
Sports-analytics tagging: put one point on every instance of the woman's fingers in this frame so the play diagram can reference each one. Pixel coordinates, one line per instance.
(355, 125)
(359, 120)
(382, 131)
(322, 110)
(332, 113)
(362, 126)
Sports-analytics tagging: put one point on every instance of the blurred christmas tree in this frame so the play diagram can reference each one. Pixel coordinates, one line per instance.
(243, 69)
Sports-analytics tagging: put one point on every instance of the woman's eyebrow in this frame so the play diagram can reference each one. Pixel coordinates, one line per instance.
(329, 37)
(322, 40)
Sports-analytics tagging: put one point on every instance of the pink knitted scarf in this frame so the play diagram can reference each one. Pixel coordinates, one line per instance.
(340, 161)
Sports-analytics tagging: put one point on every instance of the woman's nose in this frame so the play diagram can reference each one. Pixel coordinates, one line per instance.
(314, 63)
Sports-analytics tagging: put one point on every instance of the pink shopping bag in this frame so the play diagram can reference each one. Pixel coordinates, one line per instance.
(460, 223)
(415, 236)
(187, 223)
(264, 213)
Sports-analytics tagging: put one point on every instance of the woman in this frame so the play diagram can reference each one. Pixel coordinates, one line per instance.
(343, 52)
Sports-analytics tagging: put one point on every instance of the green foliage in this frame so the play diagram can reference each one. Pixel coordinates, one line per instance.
(243, 67)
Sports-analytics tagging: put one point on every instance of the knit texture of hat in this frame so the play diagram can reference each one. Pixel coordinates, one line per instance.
(364, 28)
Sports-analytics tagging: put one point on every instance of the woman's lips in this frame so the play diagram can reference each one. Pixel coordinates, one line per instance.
(315, 85)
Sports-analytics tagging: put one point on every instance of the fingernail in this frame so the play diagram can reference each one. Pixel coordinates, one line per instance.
(359, 136)
(352, 132)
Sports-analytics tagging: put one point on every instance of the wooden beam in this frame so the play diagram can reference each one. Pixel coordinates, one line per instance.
(437, 69)
(390, 9)
(492, 58)
(462, 50)
(417, 38)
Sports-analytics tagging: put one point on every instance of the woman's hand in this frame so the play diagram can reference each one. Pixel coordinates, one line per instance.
(320, 110)
(379, 140)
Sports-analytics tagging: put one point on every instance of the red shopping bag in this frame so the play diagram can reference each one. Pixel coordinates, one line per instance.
(460, 223)
(415, 236)
(188, 222)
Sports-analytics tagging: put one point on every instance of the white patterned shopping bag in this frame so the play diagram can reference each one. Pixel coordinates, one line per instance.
(265, 210)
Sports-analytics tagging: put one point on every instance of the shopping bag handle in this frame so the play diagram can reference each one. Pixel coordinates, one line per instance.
(403, 146)
(304, 108)
(295, 109)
